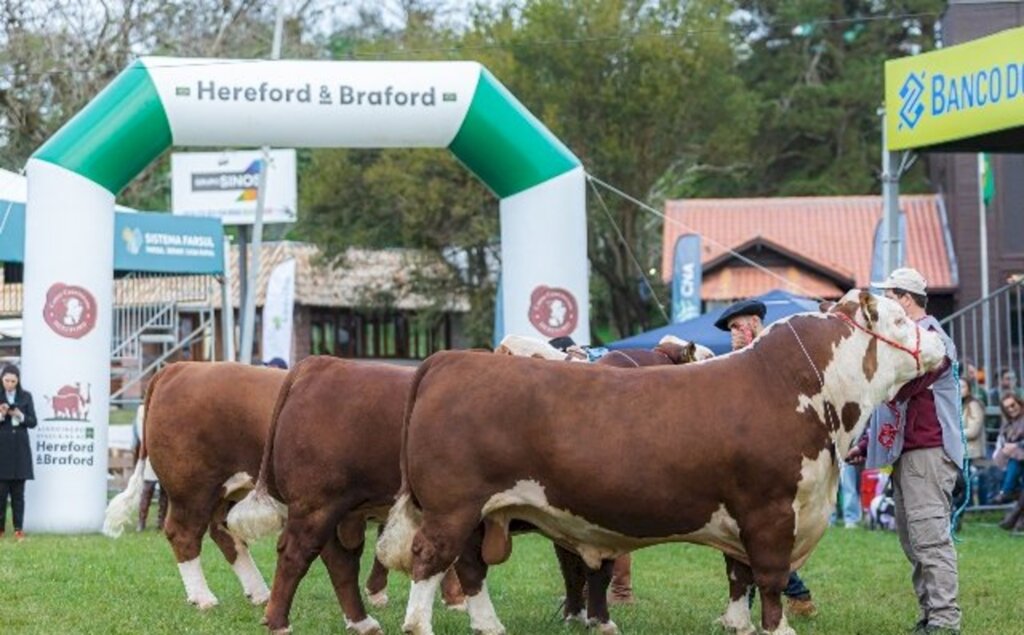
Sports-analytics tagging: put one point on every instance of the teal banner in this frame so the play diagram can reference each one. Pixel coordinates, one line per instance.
(159, 243)
(167, 243)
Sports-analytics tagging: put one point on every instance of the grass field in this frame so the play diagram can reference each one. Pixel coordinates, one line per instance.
(860, 580)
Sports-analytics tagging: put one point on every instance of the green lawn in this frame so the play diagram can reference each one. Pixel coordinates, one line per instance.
(91, 584)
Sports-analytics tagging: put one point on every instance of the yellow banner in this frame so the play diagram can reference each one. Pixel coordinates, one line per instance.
(954, 93)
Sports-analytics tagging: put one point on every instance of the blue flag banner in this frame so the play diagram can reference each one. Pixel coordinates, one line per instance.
(686, 278)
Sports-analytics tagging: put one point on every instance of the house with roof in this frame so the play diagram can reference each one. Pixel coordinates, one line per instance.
(817, 247)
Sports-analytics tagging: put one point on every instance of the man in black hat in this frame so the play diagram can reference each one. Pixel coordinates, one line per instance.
(745, 321)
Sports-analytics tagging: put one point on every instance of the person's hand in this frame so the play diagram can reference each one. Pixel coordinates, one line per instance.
(3, 409)
(854, 456)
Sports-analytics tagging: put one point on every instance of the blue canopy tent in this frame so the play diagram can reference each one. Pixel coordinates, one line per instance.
(702, 329)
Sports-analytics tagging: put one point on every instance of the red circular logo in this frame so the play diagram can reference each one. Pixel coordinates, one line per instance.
(70, 311)
(553, 311)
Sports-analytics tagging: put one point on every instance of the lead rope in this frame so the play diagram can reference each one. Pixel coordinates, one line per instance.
(953, 521)
(821, 380)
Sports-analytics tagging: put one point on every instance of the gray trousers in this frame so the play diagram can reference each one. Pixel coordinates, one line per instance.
(923, 483)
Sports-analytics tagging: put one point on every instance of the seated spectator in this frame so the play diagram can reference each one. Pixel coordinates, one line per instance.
(1007, 384)
(1010, 447)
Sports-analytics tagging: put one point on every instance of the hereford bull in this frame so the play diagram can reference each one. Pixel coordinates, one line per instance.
(205, 425)
(738, 453)
(332, 461)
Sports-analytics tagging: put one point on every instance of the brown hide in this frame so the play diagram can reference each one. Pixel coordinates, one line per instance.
(337, 436)
(647, 453)
(206, 422)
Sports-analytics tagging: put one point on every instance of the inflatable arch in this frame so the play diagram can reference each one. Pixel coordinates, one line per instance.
(159, 102)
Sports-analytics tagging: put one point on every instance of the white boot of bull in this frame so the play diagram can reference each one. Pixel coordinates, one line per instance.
(580, 617)
(737, 617)
(783, 629)
(377, 600)
(482, 617)
(604, 628)
(420, 611)
(367, 626)
(196, 589)
(253, 585)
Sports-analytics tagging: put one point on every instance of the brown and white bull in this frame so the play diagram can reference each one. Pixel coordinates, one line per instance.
(205, 426)
(331, 463)
(738, 453)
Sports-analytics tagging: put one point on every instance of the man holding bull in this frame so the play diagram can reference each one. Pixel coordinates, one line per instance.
(744, 320)
(920, 435)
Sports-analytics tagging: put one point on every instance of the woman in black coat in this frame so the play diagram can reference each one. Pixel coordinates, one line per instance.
(18, 415)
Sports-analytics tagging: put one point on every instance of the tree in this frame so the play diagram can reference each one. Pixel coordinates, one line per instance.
(817, 67)
(637, 90)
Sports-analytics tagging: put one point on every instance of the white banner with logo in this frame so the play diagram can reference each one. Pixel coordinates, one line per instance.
(540, 232)
(278, 311)
(70, 389)
(225, 185)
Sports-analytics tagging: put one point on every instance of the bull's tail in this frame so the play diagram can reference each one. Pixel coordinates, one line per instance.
(121, 508)
(394, 547)
(260, 513)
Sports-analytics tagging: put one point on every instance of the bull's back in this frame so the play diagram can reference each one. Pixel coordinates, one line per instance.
(209, 421)
(588, 435)
(339, 431)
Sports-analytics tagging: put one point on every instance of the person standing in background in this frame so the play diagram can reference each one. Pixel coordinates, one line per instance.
(17, 416)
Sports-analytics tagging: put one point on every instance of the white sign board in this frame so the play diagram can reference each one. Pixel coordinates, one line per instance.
(225, 184)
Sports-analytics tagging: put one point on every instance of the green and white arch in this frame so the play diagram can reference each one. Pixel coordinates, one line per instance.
(157, 103)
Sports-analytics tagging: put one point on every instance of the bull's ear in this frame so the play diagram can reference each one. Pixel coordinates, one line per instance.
(690, 355)
(869, 307)
(826, 306)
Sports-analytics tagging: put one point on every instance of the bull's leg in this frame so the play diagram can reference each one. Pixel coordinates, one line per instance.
(377, 583)
(574, 575)
(236, 552)
(185, 527)
(435, 546)
(737, 614)
(343, 567)
(472, 571)
(302, 540)
(451, 591)
(769, 560)
(597, 598)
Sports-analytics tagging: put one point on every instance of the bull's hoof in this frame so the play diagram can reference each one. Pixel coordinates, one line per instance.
(368, 626)
(605, 628)
(282, 631)
(377, 600)
(417, 629)
(457, 606)
(580, 617)
(489, 631)
(736, 627)
(260, 597)
(203, 602)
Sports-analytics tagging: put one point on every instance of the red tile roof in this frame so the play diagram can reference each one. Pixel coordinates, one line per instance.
(835, 232)
(731, 283)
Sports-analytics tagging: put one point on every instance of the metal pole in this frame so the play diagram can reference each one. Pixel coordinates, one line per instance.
(890, 204)
(227, 309)
(986, 324)
(248, 325)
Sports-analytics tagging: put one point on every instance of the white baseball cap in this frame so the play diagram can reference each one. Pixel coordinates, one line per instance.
(904, 279)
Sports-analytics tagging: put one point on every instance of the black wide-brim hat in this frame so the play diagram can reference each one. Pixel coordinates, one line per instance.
(745, 307)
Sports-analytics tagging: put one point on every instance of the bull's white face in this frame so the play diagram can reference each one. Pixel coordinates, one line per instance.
(895, 366)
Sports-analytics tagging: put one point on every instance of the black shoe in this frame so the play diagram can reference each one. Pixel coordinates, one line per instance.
(941, 630)
(1004, 498)
(920, 628)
